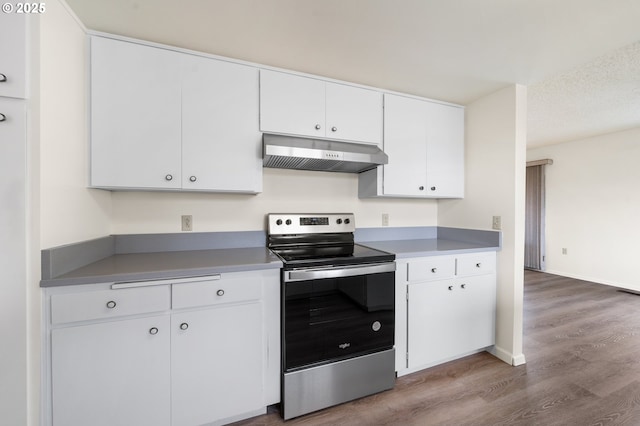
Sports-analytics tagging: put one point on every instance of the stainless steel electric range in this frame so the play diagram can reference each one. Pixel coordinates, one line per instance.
(338, 302)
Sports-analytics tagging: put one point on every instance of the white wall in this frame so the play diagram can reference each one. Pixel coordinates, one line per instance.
(495, 149)
(593, 207)
(69, 211)
(283, 191)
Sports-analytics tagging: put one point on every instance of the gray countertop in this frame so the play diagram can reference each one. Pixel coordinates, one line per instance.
(428, 247)
(124, 258)
(167, 265)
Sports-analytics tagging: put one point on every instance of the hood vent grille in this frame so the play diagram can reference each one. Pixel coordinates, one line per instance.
(286, 152)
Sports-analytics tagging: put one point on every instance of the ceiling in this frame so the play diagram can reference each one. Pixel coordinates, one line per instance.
(580, 58)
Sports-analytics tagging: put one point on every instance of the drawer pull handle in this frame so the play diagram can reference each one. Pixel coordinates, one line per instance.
(111, 304)
(3, 117)
(478, 265)
(463, 286)
(168, 177)
(318, 127)
(153, 331)
(193, 179)
(421, 188)
(450, 288)
(434, 270)
(184, 326)
(3, 78)
(433, 188)
(220, 292)
(334, 129)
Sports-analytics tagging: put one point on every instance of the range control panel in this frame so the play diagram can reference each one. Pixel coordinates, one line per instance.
(313, 223)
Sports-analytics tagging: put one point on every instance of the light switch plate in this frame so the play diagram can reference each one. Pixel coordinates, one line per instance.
(497, 222)
(187, 222)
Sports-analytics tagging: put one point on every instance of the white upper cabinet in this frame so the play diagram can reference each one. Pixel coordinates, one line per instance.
(13, 49)
(425, 144)
(303, 106)
(405, 129)
(135, 116)
(221, 143)
(445, 151)
(161, 119)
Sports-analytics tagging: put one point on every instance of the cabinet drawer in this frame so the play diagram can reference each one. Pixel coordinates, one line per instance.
(432, 268)
(226, 289)
(476, 264)
(108, 303)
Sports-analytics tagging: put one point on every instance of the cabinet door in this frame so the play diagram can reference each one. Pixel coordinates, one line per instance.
(445, 151)
(13, 258)
(221, 143)
(114, 373)
(13, 49)
(354, 114)
(135, 115)
(291, 104)
(434, 322)
(405, 142)
(216, 363)
(477, 311)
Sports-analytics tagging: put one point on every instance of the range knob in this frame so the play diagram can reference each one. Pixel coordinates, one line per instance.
(339, 221)
(347, 221)
(279, 222)
(288, 222)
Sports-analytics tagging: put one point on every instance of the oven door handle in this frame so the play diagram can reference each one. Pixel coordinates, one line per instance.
(333, 272)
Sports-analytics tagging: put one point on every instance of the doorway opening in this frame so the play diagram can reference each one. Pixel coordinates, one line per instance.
(534, 240)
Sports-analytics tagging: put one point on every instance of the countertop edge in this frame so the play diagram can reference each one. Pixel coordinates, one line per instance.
(409, 255)
(158, 275)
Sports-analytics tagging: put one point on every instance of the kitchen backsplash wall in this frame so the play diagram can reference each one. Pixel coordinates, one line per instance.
(284, 191)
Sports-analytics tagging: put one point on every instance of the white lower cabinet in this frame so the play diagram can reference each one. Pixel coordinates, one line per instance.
(226, 345)
(112, 373)
(176, 352)
(449, 311)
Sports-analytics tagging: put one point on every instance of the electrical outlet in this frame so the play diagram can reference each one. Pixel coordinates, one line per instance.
(497, 222)
(187, 222)
(385, 219)
(564, 251)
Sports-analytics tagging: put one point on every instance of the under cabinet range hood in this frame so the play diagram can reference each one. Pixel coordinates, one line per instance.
(288, 152)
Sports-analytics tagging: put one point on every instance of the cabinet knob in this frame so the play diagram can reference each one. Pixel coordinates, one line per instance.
(2, 117)
(3, 78)
(184, 326)
(111, 304)
(220, 292)
(433, 188)
(193, 179)
(434, 270)
(421, 188)
(318, 127)
(168, 177)
(450, 288)
(478, 265)
(334, 129)
(463, 286)
(153, 331)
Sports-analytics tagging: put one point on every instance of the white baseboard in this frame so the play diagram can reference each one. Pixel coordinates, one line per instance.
(593, 280)
(506, 356)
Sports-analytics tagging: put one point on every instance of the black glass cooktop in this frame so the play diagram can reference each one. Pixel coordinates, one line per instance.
(322, 255)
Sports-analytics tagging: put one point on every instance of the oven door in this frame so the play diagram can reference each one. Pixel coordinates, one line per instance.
(335, 313)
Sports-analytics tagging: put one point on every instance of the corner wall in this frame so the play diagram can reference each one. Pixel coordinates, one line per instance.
(495, 150)
(70, 212)
(592, 208)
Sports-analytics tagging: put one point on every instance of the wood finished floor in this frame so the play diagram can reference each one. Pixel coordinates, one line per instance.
(582, 345)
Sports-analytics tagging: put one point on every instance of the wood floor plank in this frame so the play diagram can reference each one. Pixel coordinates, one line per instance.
(582, 345)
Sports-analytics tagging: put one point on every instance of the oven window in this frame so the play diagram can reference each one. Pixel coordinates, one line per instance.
(336, 318)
